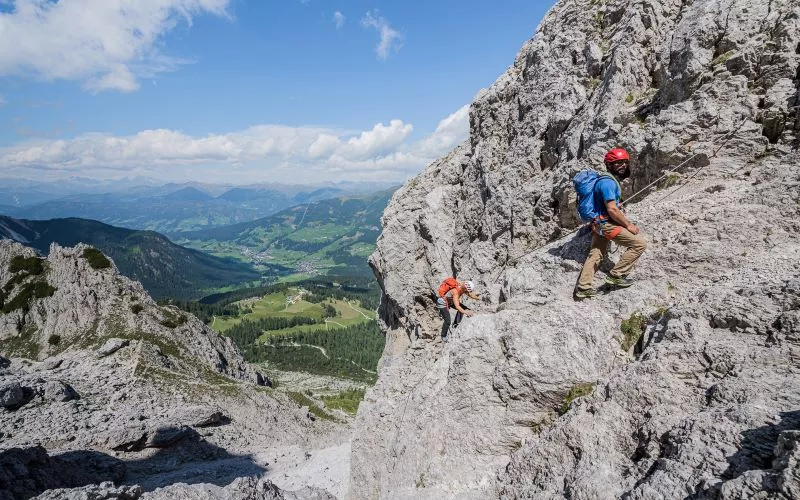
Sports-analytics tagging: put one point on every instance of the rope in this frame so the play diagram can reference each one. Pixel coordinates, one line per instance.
(726, 138)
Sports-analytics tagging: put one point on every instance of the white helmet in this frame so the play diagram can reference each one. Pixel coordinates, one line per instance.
(470, 286)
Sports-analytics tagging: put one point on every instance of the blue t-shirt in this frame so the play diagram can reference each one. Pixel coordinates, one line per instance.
(605, 190)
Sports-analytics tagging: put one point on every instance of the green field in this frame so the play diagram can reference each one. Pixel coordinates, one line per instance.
(278, 305)
(325, 326)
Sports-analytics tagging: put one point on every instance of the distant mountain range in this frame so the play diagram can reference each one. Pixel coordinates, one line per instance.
(185, 209)
(332, 236)
(329, 236)
(169, 208)
(164, 268)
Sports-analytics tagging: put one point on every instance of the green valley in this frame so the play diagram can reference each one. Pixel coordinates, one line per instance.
(322, 326)
(332, 236)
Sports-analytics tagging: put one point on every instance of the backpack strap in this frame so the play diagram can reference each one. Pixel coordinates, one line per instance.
(608, 176)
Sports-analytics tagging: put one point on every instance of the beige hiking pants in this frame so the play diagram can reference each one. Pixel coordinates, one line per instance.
(634, 243)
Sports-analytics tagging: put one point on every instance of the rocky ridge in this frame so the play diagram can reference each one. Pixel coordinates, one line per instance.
(99, 385)
(685, 385)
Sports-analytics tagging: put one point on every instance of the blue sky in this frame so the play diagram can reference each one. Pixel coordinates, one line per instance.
(240, 90)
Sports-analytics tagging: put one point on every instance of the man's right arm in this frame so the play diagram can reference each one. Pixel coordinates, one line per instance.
(617, 216)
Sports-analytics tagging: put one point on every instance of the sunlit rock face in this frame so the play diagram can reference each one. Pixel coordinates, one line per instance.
(536, 397)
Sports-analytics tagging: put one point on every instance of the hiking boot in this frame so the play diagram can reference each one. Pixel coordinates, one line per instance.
(589, 293)
(621, 282)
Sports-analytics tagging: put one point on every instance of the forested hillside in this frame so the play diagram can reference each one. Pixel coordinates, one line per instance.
(326, 237)
(164, 268)
(323, 326)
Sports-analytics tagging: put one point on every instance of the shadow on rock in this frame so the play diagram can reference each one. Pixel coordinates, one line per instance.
(182, 456)
(24, 473)
(757, 449)
(576, 249)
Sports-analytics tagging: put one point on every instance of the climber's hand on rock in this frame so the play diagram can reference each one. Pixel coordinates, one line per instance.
(633, 229)
(469, 314)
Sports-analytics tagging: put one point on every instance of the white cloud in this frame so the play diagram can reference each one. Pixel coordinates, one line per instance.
(119, 78)
(450, 132)
(382, 152)
(338, 20)
(381, 140)
(390, 41)
(107, 44)
(3, 101)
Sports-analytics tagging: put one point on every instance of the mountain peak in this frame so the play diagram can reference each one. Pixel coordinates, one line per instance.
(188, 193)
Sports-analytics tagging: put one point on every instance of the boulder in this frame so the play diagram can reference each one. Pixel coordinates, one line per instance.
(111, 346)
(11, 394)
(52, 363)
(103, 491)
(58, 391)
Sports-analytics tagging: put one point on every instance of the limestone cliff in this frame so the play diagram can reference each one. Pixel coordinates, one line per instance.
(101, 385)
(704, 404)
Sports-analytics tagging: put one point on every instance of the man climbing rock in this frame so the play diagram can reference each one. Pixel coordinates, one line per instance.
(449, 294)
(599, 201)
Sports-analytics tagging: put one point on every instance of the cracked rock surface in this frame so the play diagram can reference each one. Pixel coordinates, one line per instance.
(105, 394)
(686, 385)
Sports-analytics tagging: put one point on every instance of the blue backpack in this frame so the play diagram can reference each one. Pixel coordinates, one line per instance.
(584, 183)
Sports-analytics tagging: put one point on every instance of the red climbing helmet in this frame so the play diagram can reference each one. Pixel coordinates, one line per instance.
(617, 155)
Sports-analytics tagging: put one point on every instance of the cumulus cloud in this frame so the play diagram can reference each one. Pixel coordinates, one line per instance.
(450, 132)
(376, 142)
(107, 44)
(390, 41)
(382, 152)
(338, 20)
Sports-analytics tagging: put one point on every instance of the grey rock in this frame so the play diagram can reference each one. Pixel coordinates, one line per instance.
(52, 363)
(111, 346)
(259, 378)
(125, 437)
(58, 391)
(103, 491)
(250, 488)
(212, 419)
(167, 436)
(11, 394)
(241, 489)
(493, 413)
(134, 402)
(27, 472)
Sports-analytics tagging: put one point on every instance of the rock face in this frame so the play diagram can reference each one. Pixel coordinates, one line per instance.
(537, 396)
(100, 384)
(99, 308)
